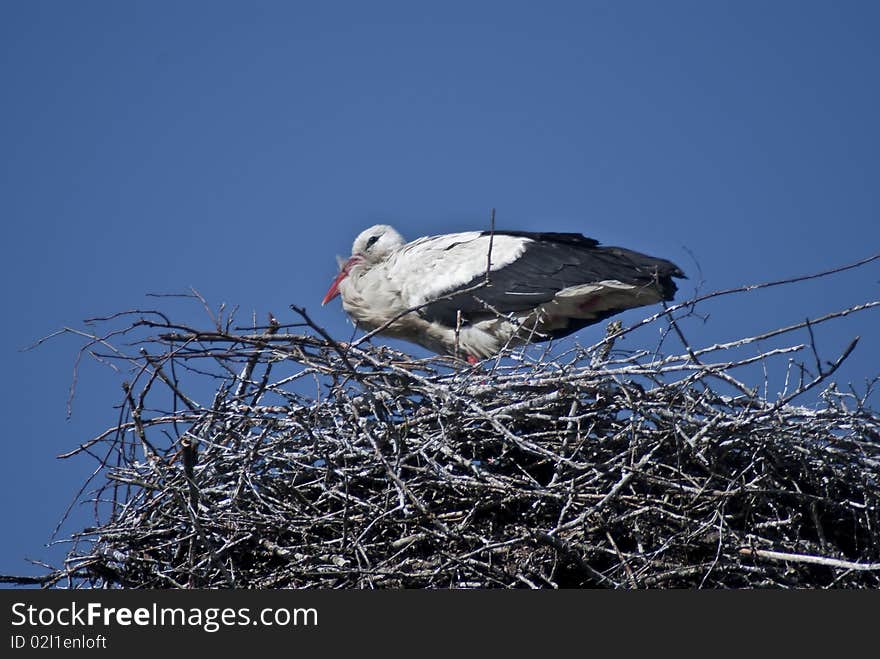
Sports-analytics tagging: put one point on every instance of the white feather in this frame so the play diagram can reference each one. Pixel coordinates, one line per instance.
(429, 267)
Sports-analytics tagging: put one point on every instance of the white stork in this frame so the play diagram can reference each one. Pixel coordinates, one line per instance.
(541, 286)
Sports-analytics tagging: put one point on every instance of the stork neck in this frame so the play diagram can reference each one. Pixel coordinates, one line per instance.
(353, 260)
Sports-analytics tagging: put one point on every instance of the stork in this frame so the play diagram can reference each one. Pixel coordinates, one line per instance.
(473, 293)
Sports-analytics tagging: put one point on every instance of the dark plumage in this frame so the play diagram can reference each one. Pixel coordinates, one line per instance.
(552, 262)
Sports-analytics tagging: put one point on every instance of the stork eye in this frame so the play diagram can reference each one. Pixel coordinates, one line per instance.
(371, 241)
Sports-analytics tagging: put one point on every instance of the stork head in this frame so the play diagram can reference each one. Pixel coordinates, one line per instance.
(375, 243)
(371, 246)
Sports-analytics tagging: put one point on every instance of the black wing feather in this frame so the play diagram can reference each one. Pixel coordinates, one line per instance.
(550, 263)
(575, 239)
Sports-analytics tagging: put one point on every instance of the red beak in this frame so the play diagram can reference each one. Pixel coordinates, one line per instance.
(334, 287)
(343, 273)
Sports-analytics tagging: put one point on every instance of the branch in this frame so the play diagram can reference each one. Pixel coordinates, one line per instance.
(803, 558)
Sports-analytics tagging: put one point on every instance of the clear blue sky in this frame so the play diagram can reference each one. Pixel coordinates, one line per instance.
(238, 147)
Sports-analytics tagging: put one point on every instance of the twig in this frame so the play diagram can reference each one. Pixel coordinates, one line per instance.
(803, 558)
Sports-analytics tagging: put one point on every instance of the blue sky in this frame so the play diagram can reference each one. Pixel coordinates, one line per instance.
(238, 147)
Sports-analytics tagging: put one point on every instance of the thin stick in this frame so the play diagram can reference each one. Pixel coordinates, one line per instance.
(804, 558)
(491, 240)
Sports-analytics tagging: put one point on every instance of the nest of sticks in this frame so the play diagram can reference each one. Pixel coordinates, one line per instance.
(276, 457)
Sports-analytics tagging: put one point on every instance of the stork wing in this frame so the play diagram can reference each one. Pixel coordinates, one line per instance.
(446, 273)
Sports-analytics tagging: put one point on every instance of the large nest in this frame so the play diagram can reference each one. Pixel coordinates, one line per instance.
(315, 463)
